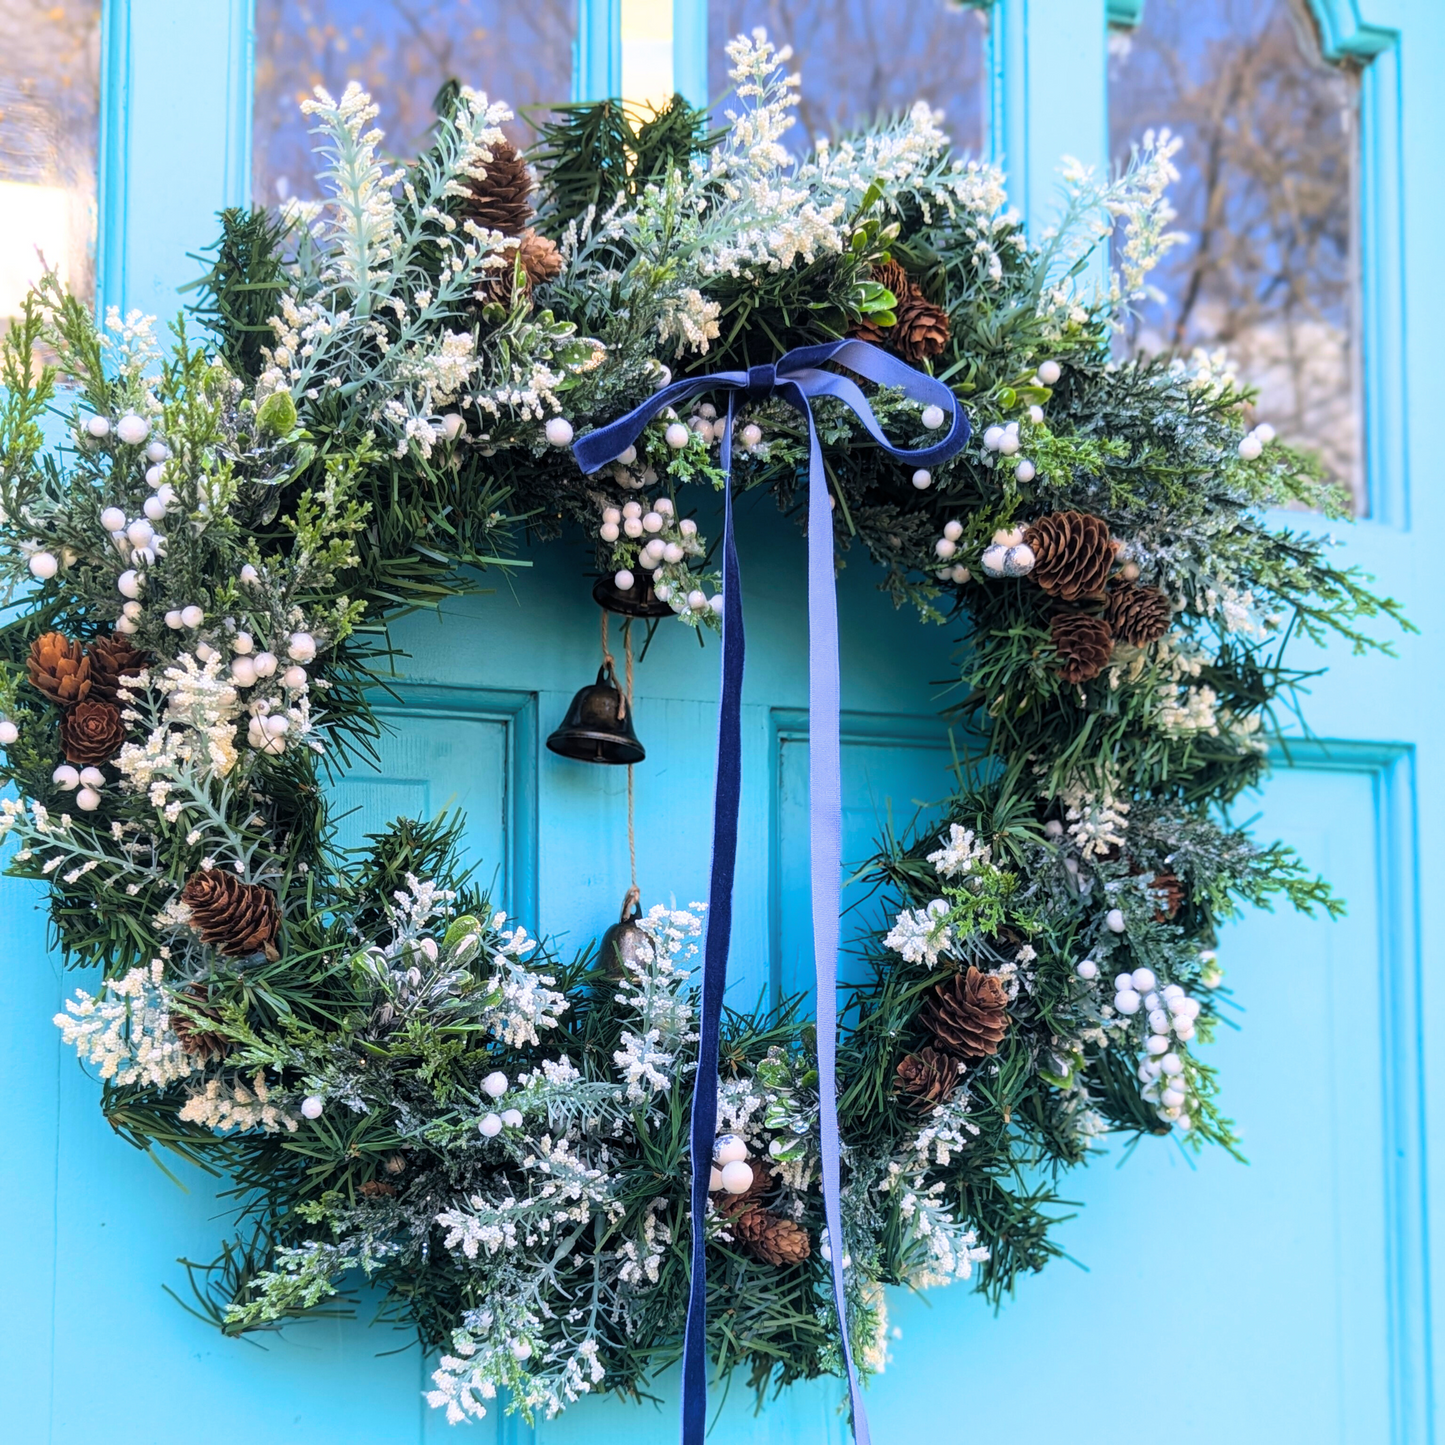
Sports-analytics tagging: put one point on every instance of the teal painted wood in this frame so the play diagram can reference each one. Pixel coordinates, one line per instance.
(1287, 1301)
(689, 51)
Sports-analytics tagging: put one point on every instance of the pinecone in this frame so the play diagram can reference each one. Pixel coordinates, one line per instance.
(870, 331)
(540, 261)
(771, 1238)
(922, 329)
(1137, 615)
(112, 658)
(235, 918)
(735, 1204)
(190, 1026)
(1083, 644)
(968, 1014)
(1072, 554)
(892, 276)
(1169, 885)
(502, 199)
(59, 668)
(91, 733)
(930, 1076)
(377, 1189)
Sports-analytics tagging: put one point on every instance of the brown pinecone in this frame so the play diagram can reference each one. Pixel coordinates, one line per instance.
(59, 668)
(112, 658)
(377, 1189)
(502, 199)
(922, 329)
(190, 1027)
(968, 1014)
(1072, 554)
(1137, 615)
(91, 733)
(930, 1076)
(734, 1204)
(540, 260)
(1083, 644)
(1169, 885)
(235, 918)
(771, 1238)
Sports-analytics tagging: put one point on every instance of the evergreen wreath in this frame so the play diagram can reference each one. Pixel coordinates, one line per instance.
(396, 1078)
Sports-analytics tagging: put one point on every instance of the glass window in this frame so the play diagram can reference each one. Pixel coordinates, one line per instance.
(863, 58)
(49, 118)
(1267, 202)
(647, 52)
(403, 52)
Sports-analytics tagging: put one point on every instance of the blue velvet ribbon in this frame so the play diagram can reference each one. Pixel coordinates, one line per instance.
(797, 378)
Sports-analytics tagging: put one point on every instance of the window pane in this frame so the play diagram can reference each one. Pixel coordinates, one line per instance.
(49, 112)
(863, 58)
(403, 52)
(647, 52)
(1267, 200)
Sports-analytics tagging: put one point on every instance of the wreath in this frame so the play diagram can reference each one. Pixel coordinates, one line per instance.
(399, 1080)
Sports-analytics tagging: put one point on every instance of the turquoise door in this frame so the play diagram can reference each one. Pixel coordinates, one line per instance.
(1286, 1301)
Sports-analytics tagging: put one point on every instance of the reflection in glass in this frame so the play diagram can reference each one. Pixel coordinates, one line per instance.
(49, 116)
(1267, 201)
(403, 52)
(863, 58)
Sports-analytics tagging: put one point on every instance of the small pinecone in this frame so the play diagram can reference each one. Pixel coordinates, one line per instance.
(930, 1076)
(1072, 554)
(235, 918)
(1137, 615)
(922, 329)
(771, 1238)
(91, 733)
(190, 1027)
(968, 1014)
(1083, 644)
(1169, 885)
(891, 275)
(111, 659)
(735, 1204)
(541, 261)
(59, 668)
(502, 199)
(377, 1189)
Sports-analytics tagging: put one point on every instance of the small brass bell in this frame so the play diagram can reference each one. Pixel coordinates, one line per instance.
(625, 946)
(598, 725)
(639, 600)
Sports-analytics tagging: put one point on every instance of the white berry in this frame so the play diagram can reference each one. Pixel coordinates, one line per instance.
(97, 426)
(737, 1177)
(559, 431)
(312, 1106)
(512, 1118)
(265, 664)
(132, 429)
(676, 436)
(609, 532)
(1250, 447)
(1265, 432)
(994, 559)
(729, 1147)
(627, 457)
(697, 600)
(1114, 920)
(1025, 470)
(87, 800)
(1088, 969)
(113, 519)
(1050, 372)
(1143, 978)
(301, 647)
(944, 547)
(490, 1126)
(652, 522)
(192, 616)
(64, 777)
(992, 436)
(43, 565)
(953, 530)
(453, 425)
(249, 575)
(623, 580)
(933, 417)
(9, 733)
(157, 452)
(1127, 1001)
(128, 584)
(140, 532)
(154, 508)
(294, 678)
(495, 1084)
(92, 778)
(923, 479)
(243, 671)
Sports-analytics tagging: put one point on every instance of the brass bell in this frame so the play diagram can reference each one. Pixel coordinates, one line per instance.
(625, 946)
(598, 725)
(639, 600)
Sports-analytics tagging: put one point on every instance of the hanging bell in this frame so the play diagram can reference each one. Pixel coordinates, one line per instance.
(598, 725)
(625, 947)
(639, 600)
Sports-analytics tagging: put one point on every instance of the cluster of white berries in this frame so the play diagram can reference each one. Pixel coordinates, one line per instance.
(933, 418)
(266, 731)
(1170, 1012)
(130, 429)
(945, 549)
(490, 1125)
(731, 1171)
(669, 544)
(86, 783)
(1008, 555)
(1252, 444)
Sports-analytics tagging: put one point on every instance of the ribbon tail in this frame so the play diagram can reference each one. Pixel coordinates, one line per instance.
(726, 801)
(825, 805)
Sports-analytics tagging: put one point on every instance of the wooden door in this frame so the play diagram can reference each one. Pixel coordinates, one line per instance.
(1283, 1301)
